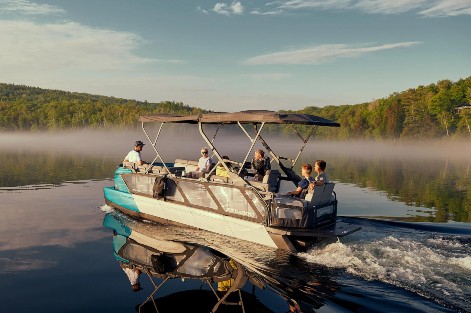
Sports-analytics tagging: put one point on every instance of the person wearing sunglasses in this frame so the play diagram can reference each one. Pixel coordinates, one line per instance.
(204, 164)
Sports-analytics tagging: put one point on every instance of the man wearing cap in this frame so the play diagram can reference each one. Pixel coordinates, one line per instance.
(133, 276)
(134, 156)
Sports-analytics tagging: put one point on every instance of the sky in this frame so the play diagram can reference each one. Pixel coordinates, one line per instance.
(235, 55)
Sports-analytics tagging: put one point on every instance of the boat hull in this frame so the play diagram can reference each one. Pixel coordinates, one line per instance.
(294, 240)
(163, 211)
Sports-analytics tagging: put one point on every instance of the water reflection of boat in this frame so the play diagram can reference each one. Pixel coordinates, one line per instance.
(165, 260)
(235, 206)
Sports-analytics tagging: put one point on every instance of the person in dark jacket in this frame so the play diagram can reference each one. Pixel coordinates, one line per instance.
(261, 164)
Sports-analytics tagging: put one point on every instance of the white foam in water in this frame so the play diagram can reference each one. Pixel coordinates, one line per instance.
(449, 244)
(464, 263)
(407, 262)
(106, 208)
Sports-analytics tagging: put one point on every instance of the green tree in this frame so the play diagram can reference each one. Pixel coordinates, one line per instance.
(441, 106)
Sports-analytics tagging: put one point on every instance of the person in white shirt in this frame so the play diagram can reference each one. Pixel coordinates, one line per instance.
(204, 164)
(321, 177)
(133, 276)
(134, 155)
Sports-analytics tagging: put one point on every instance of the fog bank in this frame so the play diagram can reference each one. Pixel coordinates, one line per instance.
(185, 142)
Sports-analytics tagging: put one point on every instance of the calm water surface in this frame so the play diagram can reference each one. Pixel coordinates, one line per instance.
(412, 255)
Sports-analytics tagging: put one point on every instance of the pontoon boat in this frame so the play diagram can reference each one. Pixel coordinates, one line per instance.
(235, 206)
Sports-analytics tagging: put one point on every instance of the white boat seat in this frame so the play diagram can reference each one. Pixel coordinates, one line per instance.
(189, 165)
(320, 195)
(159, 170)
(130, 165)
(135, 167)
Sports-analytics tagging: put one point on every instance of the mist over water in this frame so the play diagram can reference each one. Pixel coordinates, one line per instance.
(427, 181)
(185, 141)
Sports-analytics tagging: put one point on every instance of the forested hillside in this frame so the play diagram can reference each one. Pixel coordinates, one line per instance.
(30, 108)
(436, 110)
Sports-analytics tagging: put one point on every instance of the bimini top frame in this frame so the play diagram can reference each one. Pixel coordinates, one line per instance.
(258, 118)
(244, 117)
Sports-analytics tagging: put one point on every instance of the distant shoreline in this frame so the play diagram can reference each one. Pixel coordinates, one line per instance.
(440, 110)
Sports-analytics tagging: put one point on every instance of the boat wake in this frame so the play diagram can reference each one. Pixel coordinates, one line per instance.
(107, 209)
(432, 264)
(430, 270)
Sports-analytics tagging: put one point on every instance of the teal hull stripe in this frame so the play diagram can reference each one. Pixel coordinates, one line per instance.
(120, 235)
(123, 199)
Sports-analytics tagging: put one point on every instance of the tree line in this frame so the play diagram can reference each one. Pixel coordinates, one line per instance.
(25, 108)
(437, 110)
(419, 113)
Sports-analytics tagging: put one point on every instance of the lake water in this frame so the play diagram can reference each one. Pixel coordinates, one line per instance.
(413, 253)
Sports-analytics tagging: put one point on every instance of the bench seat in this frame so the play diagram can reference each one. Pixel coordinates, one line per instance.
(189, 165)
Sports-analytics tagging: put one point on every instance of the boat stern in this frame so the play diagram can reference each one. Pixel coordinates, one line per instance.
(119, 196)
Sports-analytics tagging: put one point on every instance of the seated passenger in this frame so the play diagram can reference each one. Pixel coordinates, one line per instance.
(221, 170)
(261, 164)
(321, 177)
(134, 155)
(304, 183)
(133, 276)
(204, 164)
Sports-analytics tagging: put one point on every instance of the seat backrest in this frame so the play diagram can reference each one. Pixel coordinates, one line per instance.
(320, 195)
(189, 165)
(130, 165)
(272, 178)
(159, 170)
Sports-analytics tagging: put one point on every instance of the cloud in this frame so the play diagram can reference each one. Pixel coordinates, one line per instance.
(272, 12)
(27, 46)
(224, 9)
(448, 8)
(321, 53)
(201, 10)
(79, 58)
(28, 8)
(389, 7)
(284, 6)
(268, 76)
(429, 8)
(307, 4)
